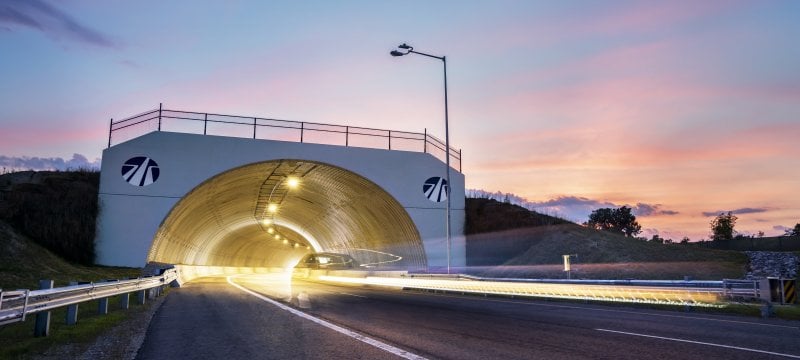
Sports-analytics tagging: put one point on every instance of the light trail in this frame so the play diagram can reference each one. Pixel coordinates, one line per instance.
(627, 294)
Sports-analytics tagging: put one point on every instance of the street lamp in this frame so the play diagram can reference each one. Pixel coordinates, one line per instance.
(410, 50)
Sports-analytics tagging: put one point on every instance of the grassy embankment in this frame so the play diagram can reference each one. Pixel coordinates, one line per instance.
(505, 240)
(49, 209)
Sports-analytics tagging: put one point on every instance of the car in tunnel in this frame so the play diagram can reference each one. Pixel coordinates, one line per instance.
(327, 261)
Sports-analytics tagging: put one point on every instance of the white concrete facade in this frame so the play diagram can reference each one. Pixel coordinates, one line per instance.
(131, 215)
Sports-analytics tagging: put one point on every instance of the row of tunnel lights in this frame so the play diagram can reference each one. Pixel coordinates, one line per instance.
(272, 208)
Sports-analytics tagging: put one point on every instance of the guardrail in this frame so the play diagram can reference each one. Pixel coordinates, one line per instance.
(734, 288)
(282, 130)
(16, 305)
(671, 292)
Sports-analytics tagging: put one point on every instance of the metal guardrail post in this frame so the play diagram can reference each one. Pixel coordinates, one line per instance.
(424, 141)
(125, 301)
(110, 130)
(72, 310)
(42, 327)
(254, 127)
(159, 116)
(205, 124)
(140, 297)
(102, 306)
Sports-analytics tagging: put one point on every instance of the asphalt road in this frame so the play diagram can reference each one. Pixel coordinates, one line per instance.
(213, 319)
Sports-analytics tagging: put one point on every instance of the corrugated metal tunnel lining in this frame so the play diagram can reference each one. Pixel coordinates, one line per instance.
(254, 216)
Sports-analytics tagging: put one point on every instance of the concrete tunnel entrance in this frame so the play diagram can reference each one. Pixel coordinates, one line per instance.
(273, 213)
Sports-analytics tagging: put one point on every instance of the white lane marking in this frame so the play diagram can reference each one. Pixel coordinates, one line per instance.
(625, 312)
(701, 343)
(361, 296)
(378, 344)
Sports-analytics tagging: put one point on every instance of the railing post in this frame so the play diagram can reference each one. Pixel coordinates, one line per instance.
(425, 142)
(346, 136)
(301, 131)
(459, 159)
(72, 310)
(390, 139)
(42, 327)
(159, 116)
(254, 128)
(205, 124)
(110, 127)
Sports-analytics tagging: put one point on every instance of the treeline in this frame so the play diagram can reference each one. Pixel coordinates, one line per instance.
(57, 210)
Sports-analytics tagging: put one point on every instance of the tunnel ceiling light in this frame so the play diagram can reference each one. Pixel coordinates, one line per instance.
(273, 208)
(292, 182)
(270, 230)
(285, 241)
(267, 221)
(277, 237)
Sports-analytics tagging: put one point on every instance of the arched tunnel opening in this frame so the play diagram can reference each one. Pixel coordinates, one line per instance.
(272, 214)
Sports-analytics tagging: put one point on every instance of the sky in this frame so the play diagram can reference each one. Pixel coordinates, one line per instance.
(679, 109)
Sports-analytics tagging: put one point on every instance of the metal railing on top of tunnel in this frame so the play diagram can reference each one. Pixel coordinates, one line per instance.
(277, 129)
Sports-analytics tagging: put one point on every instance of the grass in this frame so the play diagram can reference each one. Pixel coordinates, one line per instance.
(535, 247)
(17, 340)
(22, 264)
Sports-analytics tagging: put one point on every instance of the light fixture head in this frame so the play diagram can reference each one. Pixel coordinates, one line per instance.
(271, 230)
(405, 46)
(277, 237)
(292, 182)
(273, 208)
(396, 53)
(285, 241)
(267, 221)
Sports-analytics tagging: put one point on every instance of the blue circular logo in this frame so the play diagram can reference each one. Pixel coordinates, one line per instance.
(435, 189)
(140, 171)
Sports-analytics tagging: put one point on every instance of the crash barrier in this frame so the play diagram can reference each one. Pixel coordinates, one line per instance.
(783, 291)
(672, 292)
(17, 305)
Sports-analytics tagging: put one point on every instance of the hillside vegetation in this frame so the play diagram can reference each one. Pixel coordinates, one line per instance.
(23, 263)
(533, 245)
(57, 210)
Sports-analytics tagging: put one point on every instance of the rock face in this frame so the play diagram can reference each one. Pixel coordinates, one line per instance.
(772, 264)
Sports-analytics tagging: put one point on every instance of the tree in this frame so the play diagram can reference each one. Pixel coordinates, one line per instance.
(614, 220)
(722, 227)
(685, 240)
(794, 231)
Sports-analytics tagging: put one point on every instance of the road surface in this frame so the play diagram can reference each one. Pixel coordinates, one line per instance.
(242, 318)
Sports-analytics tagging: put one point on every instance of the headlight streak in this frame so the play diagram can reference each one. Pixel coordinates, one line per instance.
(625, 294)
(396, 257)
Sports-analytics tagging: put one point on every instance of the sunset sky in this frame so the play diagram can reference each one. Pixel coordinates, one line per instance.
(680, 109)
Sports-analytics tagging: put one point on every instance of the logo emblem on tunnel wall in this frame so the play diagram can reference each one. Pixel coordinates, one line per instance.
(436, 189)
(140, 171)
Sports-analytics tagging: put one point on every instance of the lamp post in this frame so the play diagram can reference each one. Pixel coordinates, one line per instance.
(410, 50)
